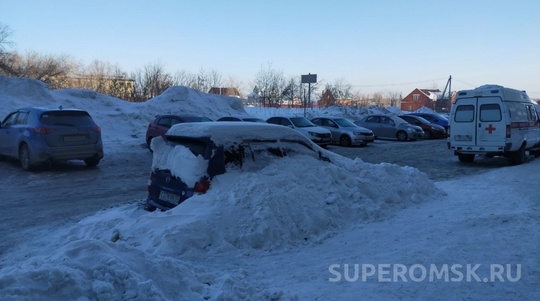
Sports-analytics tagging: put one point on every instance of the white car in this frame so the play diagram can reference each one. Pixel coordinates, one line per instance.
(318, 135)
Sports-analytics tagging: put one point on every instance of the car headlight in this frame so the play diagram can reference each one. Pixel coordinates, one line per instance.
(357, 133)
(433, 128)
(312, 134)
(410, 129)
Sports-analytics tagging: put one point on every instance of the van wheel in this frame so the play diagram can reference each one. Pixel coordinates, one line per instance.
(24, 158)
(466, 158)
(92, 162)
(518, 157)
(401, 136)
(345, 140)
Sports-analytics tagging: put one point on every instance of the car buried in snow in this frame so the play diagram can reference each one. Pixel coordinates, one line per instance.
(190, 155)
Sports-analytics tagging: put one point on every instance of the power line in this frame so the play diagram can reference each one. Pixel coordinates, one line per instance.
(399, 84)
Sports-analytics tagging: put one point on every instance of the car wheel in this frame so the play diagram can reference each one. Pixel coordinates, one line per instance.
(345, 140)
(401, 136)
(518, 157)
(24, 157)
(92, 162)
(466, 158)
(148, 142)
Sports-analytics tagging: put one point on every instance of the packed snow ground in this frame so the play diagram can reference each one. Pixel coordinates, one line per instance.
(292, 231)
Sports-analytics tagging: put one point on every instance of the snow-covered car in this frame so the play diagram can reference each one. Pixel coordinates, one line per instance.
(344, 131)
(190, 155)
(393, 127)
(162, 123)
(317, 134)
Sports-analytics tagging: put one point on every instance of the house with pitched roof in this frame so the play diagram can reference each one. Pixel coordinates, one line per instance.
(420, 98)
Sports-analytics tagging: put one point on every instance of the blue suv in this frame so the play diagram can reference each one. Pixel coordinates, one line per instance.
(36, 135)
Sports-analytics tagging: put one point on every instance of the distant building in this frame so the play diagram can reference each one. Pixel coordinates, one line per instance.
(420, 98)
(328, 99)
(233, 92)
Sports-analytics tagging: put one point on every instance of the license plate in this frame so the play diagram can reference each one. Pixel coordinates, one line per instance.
(169, 197)
(462, 138)
(74, 138)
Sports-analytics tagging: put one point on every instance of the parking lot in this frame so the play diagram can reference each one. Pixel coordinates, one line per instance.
(65, 193)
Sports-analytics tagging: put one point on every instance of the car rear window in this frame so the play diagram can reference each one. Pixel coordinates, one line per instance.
(67, 118)
(464, 113)
(490, 112)
(196, 146)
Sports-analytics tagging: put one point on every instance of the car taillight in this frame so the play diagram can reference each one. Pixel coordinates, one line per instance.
(96, 128)
(508, 131)
(42, 130)
(202, 186)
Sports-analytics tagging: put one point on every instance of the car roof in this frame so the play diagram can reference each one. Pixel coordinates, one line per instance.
(231, 132)
(49, 109)
(178, 115)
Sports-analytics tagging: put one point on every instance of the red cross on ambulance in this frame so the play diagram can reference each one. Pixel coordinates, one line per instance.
(490, 128)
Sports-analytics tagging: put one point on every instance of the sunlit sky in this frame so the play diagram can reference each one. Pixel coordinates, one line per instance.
(374, 45)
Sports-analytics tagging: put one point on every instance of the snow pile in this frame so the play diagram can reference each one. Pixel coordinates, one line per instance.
(425, 110)
(352, 113)
(183, 100)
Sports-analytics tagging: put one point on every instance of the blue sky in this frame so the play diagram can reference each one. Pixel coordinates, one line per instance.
(375, 45)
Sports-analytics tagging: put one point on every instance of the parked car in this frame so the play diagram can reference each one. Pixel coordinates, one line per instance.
(234, 118)
(434, 118)
(391, 127)
(202, 151)
(317, 134)
(162, 123)
(36, 135)
(344, 131)
(431, 130)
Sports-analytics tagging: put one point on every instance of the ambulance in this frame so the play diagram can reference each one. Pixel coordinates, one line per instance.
(493, 120)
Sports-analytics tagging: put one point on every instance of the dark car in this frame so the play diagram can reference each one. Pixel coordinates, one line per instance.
(246, 119)
(36, 135)
(202, 151)
(434, 118)
(162, 123)
(431, 130)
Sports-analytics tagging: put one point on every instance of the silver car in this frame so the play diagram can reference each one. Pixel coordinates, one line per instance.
(384, 126)
(344, 131)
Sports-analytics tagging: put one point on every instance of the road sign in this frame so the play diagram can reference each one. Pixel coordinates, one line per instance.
(309, 78)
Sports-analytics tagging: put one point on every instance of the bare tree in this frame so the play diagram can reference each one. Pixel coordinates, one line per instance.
(271, 83)
(394, 98)
(151, 81)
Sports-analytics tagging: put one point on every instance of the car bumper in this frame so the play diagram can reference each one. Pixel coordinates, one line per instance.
(42, 154)
(359, 140)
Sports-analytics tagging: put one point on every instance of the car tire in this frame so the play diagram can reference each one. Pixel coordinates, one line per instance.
(345, 140)
(401, 136)
(466, 158)
(24, 157)
(92, 162)
(518, 157)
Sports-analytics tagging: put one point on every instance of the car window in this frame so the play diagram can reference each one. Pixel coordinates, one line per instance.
(198, 119)
(164, 121)
(285, 121)
(273, 120)
(330, 123)
(67, 118)
(196, 146)
(464, 113)
(10, 119)
(372, 119)
(490, 112)
(344, 122)
(22, 118)
(317, 121)
(301, 122)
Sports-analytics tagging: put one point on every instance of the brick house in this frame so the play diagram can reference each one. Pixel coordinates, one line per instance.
(328, 99)
(419, 98)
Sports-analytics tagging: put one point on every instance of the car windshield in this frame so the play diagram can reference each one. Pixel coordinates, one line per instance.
(442, 117)
(344, 123)
(66, 118)
(195, 119)
(253, 120)
(421, 119)
(301, 122)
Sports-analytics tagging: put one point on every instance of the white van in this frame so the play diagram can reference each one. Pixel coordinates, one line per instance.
(492, 120)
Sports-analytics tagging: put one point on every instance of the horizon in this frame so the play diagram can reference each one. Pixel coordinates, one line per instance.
(376, 47)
